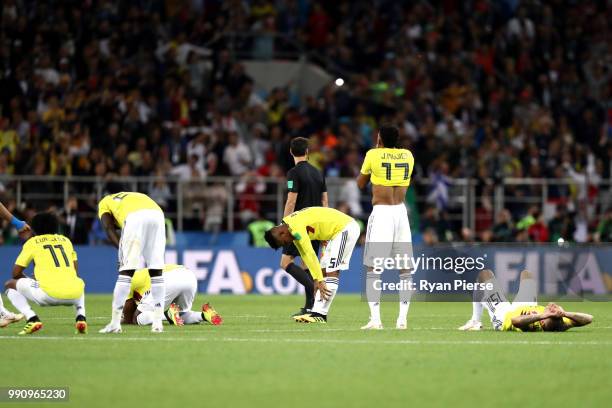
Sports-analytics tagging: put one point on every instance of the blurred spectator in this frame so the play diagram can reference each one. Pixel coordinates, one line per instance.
(256, 229)
(215, 204)
(159, 191)
(249, 190)
(73, 224)
(479, 90)
(503, 230)
(538, 231)
(237, 156)
(561, 226)
(604, 228)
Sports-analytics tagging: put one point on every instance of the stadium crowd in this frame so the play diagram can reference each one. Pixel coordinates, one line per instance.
(480, 89)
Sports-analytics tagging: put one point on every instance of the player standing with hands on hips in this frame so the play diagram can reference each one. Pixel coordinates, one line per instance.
(389, 168)
(306, 188)
(143, 233)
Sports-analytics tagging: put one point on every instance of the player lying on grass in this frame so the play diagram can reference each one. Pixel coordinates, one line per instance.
(181, 288)
(524, 314)
(7, 317)
(322, 224)
(55, 282)
(143, 236)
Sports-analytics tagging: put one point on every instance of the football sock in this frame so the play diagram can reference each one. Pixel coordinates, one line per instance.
(2, 309)
(120, 294)
(309, 292)
(191, 317)
(145, 318)
(476, 311)
(80, 306)
(305, 279)
(322, 306)
(527, 291)
(405, 294)
(158, 293)
(373, 296)
(20, 303)
(477, 306)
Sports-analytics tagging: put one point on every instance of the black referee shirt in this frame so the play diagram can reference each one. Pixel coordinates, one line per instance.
(309, 184)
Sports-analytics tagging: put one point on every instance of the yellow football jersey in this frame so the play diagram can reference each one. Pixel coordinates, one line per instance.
(121, 205)
(141, 282)
(53, 257)
(522, 310)
(525, 310)
(389, 167)
(318, 224)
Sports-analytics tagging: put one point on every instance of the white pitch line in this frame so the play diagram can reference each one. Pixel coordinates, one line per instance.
(157, 337)
(305, 330)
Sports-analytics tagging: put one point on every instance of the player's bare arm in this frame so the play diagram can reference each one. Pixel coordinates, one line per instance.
(321, 287)
(363, 180)
(523, 321)
(108, 224)
(16, 274)
(324, 199)
(311, 260)
(290, 204)
(578, 319)
(17, 223)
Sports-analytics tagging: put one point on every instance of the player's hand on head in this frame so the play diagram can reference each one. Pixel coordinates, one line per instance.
(25, 228)
(554, 310)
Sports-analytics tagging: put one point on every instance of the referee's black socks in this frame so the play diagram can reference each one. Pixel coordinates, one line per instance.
(304, 278)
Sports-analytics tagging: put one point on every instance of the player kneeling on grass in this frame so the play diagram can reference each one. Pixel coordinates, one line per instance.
(320, 224)
(55, 280)
(524, 314)
(181, 288)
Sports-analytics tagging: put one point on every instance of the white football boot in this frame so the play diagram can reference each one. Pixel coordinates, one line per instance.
(372, 326)
(7, 318)
(401, 325)
(471, 325)
(157, 326)
(111, 328)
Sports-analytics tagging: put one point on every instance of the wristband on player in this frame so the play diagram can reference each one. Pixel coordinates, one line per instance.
(17, 223)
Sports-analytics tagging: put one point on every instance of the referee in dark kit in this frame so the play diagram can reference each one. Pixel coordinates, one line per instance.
(306, 188)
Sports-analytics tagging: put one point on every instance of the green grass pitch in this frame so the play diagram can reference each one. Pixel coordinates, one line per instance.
(261, 358)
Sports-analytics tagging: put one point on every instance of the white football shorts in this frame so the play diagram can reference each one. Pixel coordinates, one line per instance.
(388, 233)
(337, 253)
(143, 235)
(32, 291)
(498, 305)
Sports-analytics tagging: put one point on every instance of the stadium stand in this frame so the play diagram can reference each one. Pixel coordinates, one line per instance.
(498, 94)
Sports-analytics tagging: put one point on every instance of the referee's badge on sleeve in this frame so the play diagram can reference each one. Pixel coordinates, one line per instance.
(289, 183)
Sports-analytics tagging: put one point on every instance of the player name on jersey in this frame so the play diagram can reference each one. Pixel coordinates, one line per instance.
(394, 156)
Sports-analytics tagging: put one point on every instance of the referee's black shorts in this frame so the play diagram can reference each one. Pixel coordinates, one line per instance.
(291, 250)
